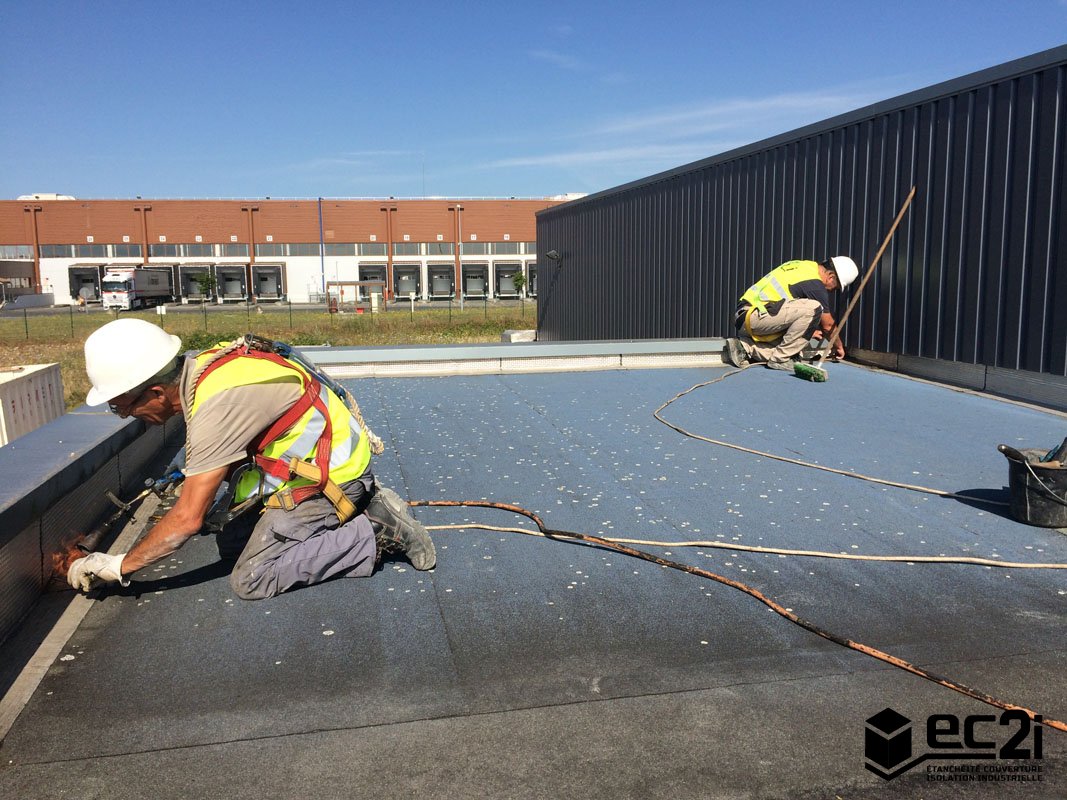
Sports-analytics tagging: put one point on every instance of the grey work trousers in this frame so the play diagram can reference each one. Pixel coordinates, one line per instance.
(792, 326)
(307, 545)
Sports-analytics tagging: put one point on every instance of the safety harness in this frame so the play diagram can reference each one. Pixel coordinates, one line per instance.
(773, 288)
(316, 470)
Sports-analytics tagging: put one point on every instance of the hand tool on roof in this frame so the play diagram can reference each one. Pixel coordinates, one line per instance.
(91, 541)
(1056, 456)
(813, 372)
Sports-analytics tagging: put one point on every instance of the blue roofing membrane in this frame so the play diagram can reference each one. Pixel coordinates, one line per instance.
(525, 667)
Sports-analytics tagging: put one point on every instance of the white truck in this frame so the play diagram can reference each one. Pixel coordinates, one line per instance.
(136, 287)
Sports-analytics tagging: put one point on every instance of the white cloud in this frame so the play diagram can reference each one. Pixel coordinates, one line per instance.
(737, 113)
(358, 158)
(676, 153)
(561, 60)
(659, 139)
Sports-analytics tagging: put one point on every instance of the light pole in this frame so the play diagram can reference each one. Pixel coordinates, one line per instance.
(322, 250)
(458, 228)
(387, 292)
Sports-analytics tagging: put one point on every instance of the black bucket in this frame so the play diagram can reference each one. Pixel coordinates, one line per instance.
(1038, 491)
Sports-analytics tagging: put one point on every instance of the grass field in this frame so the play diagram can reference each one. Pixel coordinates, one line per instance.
(60, 337)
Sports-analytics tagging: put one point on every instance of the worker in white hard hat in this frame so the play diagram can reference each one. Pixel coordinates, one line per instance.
(283, 439)
(788, 307)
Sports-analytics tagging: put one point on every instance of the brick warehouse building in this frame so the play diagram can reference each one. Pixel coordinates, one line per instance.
(268, 250)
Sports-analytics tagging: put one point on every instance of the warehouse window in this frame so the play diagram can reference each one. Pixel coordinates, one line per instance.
(530, 248)
(90, 251)
(163, 250)
(16, 251)
(304, 249)
(474, 249)
(57, 250)
(198, 250)
(407, 249)
(234, 250)
(126, 250)
(341, 249)
(505, 248)
(440, 248)
(271, 250)
(372, 249)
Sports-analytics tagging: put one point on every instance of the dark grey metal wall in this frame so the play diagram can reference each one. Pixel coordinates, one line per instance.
(977, 272)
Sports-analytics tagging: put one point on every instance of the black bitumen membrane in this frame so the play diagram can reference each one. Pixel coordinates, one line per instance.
(525, 667)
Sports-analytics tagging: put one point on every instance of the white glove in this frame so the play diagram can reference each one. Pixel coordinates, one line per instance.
(95, 568)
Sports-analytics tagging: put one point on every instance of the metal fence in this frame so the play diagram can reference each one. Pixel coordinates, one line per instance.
(977, 272)
(67, 323)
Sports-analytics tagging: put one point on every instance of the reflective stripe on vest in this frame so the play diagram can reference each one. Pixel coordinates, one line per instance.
(775, 284)
(347, 451)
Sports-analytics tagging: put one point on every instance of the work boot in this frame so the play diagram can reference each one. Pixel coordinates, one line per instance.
(734, 353)
(397, 531)
(784, 366)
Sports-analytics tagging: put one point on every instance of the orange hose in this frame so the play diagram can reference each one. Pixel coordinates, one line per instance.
(777, 608)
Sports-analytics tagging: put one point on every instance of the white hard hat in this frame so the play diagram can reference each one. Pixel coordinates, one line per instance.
(846, 270)
(123, 355)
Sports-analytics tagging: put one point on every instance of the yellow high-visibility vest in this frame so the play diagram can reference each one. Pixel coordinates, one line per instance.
(775, 285)
(346, 451)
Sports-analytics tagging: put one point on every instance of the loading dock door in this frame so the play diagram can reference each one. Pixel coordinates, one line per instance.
(407, 281)
(442, 282)
(231, 283)
(475, 280)
(267, 280)
(84, 283)
(190, 282)
(376, 274)
(505, 280)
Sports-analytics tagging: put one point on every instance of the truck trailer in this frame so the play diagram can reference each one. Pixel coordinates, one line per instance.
(137, 287)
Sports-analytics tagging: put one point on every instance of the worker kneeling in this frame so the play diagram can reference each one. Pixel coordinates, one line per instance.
(281, 439)
(786, 308)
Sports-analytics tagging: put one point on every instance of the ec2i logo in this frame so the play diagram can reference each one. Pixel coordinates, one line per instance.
(888, 739)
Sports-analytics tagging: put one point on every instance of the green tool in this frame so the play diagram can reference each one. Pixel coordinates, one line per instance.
(813, 372)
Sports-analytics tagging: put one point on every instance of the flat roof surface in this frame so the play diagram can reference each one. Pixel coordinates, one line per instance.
(530, 668)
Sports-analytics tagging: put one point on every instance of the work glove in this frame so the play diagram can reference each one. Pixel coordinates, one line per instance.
(96, 568)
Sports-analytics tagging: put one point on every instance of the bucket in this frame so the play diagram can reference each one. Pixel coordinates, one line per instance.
(1038, 491)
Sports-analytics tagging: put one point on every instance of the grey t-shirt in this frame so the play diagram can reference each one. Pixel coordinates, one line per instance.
(224, 425)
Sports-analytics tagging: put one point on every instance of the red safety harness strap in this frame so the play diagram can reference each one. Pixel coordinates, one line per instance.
(312, 396)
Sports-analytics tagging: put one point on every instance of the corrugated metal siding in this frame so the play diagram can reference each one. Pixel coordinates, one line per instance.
(977, 272)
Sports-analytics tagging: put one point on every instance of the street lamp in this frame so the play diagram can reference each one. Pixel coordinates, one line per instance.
(459, 247)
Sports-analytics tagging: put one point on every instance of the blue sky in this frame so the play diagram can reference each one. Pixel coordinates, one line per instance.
(241, 99)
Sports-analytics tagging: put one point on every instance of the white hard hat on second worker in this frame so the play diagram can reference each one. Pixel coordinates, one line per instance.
(123, 355)
(846, 270)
